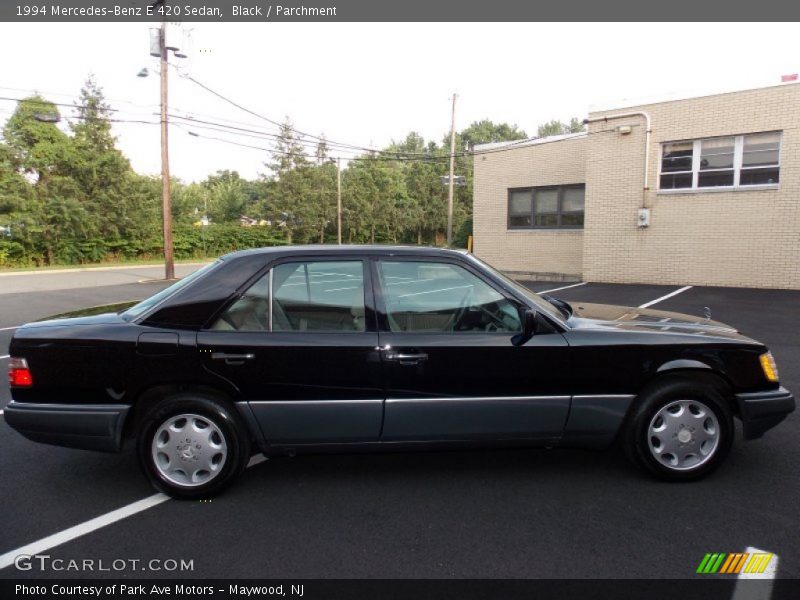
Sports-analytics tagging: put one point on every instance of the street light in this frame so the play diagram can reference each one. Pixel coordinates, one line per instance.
(47, 118)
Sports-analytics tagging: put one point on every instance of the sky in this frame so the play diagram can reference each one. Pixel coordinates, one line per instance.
(367, 84)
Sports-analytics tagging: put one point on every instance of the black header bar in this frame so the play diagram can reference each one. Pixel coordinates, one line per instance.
(333, 11)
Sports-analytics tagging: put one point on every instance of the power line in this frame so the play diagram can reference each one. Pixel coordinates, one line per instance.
(332, 143)
(388, 155)
(281, 125)
(302, 154)
(391, 154)
(66, 95)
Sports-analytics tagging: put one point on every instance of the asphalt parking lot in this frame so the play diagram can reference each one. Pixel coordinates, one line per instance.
(476, 514)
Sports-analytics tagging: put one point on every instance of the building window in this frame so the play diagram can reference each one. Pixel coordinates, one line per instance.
(738, 161)
(555, 207)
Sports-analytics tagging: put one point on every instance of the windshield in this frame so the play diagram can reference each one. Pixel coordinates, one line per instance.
(540, 302)
(145, 305)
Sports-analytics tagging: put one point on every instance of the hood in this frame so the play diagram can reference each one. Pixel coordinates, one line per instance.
(588, 316)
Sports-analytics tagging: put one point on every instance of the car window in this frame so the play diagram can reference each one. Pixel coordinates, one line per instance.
(541, 304)
(306, 296)
(138, 309)
(250, 312)
(436, 297)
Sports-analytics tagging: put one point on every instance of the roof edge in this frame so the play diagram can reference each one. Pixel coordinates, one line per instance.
(534, 142)
(678, 96)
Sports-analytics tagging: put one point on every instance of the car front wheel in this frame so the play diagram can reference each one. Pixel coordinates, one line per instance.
(192, 446)
(680, 430)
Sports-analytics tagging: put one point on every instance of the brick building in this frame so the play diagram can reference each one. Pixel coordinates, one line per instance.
(709, 195)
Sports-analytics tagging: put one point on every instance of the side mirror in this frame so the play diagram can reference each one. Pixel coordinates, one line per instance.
(530, 325)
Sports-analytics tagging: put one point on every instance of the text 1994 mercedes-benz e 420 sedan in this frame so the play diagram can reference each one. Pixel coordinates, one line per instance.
(294, 349)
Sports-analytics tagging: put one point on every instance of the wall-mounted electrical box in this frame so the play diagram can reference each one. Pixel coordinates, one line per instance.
(644, 217)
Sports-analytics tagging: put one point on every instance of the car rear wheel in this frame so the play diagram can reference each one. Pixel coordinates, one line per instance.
(680, 430)
(192, 446)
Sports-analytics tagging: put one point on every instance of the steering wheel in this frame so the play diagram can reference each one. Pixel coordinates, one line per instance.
(495, 323)
(463, 307)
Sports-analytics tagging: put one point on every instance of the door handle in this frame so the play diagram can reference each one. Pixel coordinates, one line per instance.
(405, 358)
(232, 359)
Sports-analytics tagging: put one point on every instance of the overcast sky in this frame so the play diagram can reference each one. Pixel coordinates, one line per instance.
(368, 84)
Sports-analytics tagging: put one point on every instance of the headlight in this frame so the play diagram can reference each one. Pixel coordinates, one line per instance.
(769, 367)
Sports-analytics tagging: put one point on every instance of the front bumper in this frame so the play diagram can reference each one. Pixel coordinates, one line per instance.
(761, 411)
(85, 426)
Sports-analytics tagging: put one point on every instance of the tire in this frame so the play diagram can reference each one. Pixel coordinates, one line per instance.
(679, 430)
(192, 446)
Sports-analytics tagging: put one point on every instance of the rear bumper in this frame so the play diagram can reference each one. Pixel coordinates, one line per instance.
(86, 426)
(761, 411)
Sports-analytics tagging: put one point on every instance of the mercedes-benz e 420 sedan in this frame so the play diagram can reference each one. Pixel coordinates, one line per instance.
(294, 349)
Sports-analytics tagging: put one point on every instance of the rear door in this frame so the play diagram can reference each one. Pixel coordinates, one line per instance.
(300, 344)
(451, 370)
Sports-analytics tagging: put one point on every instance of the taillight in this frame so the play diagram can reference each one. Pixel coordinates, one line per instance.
(19, 375)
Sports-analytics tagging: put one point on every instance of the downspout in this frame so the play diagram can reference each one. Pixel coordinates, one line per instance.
(638, 113)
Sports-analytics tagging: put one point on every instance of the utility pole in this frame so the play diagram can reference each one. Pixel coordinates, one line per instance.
(452, 174)
(339, 199)
(169, 258)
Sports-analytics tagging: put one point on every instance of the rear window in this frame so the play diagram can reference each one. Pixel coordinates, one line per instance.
(139, 309)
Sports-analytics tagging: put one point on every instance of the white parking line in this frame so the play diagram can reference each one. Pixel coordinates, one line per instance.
(748, 590)
(670, 295)
(5, 356)
(51, 541)
(256, 459)
(566, 287)
(10, 328)
(448, 289)
(7, 559)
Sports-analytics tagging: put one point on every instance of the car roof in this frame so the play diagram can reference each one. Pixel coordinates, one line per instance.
(333, 249)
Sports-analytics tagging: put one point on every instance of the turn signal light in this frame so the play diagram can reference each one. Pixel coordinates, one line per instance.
(19, 375)
(769, 367)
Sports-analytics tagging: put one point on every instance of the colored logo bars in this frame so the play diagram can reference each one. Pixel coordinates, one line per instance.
(739, 562)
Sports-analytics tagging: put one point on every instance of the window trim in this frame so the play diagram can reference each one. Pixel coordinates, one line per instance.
(560, 196)
(738, 155)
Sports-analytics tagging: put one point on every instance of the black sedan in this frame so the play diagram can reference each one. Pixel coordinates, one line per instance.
(298, 349)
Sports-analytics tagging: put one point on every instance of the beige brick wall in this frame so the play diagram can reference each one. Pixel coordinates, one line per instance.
(533, 253)
(742, 238)
(737, 238)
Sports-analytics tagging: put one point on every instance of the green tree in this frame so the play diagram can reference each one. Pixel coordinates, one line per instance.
(291, 205)
(99, 168)
(486, 131)
(227, 196)
(424, 212)
(39, 147)
(556, 127)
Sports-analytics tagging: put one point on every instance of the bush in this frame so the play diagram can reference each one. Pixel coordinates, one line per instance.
(188, 242)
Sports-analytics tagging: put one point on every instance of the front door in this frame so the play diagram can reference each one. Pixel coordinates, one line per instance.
(451, 371)
(300, 346)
